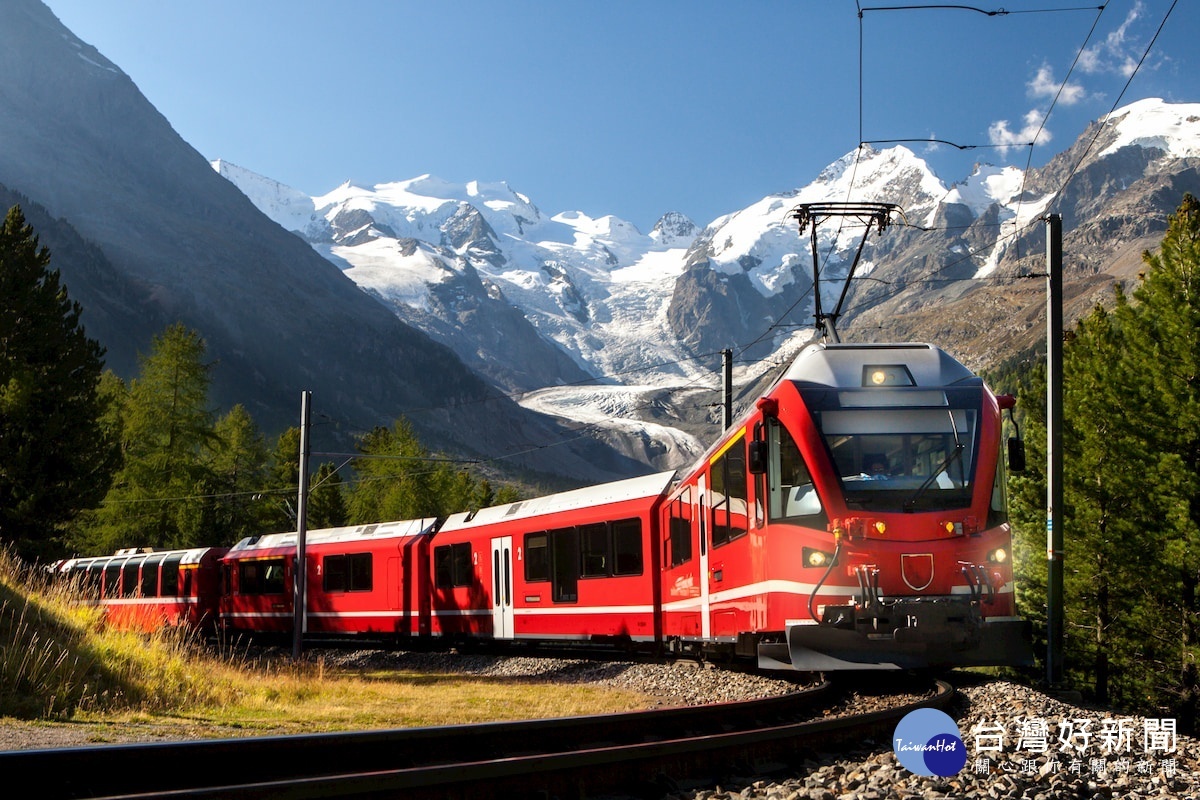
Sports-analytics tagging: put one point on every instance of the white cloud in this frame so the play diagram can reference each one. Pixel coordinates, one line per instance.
(1116, 54)
(1001, 134)
(1045, 85)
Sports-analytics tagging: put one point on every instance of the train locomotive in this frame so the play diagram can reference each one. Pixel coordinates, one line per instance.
(854, 518)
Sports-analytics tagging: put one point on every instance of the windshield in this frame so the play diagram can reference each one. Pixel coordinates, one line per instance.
(892, 456)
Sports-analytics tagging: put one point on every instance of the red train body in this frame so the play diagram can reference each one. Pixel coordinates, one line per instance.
(365, 579)
(574, 566)
(854, 518)
(141, 590)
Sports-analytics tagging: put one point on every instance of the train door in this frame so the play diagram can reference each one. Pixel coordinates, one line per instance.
(702, 505)
(502, 588)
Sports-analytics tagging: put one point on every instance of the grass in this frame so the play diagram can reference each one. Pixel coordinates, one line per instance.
(60, 663)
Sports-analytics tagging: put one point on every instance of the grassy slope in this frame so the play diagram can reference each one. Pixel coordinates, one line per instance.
(59, 662)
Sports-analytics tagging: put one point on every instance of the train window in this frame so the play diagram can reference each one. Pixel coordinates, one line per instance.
(112, 579)
(791, 494)
(452, 565)
(892, 459)
(261, 577)
(94, 576)
(627, 547)
(729, 493)
(150, 569)
(129, 577)
(348, 573)
(564, 565)
(537, 558)
(998, 510)
(680, 541)
(170, 576)
(593, 550)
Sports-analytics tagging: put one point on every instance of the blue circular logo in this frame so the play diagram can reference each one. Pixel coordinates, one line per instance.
(927, 742)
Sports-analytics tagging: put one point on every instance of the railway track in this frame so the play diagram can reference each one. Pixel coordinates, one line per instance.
(636, 752)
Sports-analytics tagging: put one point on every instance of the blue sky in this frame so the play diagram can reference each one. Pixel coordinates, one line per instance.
(629, 108)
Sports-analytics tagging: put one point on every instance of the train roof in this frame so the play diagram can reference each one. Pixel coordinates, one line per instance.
(630, 489)
(844, 365)
(379, 530)
(191, 555)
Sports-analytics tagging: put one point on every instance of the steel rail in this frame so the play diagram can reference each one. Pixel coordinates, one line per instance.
(571, 757)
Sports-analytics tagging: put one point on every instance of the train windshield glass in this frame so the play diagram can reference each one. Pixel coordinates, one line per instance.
(894, 457)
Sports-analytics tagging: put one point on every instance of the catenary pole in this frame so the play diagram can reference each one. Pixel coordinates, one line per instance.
(300, 571)
(727, 369)
(1054, 451)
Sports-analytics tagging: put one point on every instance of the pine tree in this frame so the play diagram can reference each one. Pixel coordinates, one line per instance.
(239, 467)
(1164, 333)
(161, 497)
(1132, 489)
(1114, 551)
(54, 457)
(326, 503)
(395, 480)
(400, 479)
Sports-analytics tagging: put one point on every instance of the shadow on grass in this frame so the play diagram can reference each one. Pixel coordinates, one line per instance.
(48, 667)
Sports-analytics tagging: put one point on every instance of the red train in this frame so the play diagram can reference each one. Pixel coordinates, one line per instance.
(143, 589)
(854, 518)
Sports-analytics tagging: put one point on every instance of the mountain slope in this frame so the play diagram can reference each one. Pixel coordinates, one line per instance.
(81, 141)
(647, 315)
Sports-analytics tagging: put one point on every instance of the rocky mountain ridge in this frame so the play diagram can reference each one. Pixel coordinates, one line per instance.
(549, 306)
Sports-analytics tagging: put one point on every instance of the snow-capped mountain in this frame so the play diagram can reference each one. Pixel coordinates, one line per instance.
(544, 304)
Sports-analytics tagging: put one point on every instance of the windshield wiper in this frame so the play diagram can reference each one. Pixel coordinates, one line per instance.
(911, 503)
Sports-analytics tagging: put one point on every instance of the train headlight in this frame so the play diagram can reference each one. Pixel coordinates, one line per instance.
(887, 375)
(813, 557)
(998, 556)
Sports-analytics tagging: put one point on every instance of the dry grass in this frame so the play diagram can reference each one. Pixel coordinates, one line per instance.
(59, 662)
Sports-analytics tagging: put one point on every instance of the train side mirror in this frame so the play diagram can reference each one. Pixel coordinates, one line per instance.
(757, 457)
(1016, 454)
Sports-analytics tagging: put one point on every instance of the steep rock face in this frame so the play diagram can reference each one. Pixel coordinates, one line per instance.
(1114, 207)
(80, 140)
(118, 312)
(712, 310)
(674, 230)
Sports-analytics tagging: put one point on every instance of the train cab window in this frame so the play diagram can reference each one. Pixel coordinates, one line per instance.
(998, 510)
(452, 565)
(790, 491)
(261, 576)
(627, 547)
(348, 573)
(170, 576)
(593, 550)
(902, 451)
(729, 493)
